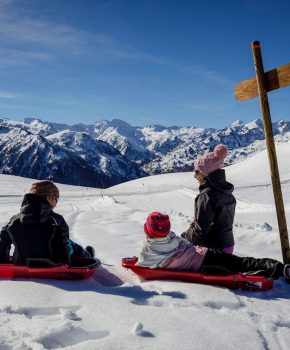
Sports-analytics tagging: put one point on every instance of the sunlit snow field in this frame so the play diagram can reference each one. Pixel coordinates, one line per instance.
(113, 309)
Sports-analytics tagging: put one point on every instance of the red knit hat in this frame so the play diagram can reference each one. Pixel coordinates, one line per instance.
(157, 225)
(209, 162)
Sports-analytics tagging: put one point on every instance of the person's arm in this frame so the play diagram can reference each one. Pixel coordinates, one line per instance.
(193, 233)
(204, 216)
(64, 230)
(66, 242)
(62, 249)
(5, 245)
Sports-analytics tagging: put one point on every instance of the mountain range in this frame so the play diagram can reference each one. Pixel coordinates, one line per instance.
(110, 152)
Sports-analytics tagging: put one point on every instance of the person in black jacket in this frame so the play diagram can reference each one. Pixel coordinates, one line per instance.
(37, 232)
(215, 205)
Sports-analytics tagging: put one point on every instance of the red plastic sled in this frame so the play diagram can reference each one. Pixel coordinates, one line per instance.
(238, 280)
(42, 268)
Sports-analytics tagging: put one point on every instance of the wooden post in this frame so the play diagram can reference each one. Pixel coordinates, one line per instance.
(262, 89)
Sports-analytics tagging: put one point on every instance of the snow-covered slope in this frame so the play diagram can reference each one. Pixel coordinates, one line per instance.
(114, 310)
(256, 168)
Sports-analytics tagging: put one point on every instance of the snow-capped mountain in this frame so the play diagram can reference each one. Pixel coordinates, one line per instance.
(115, 151)
(127, 139)
(103, 157)
(174, 149)
(25, 152)
(30, 155)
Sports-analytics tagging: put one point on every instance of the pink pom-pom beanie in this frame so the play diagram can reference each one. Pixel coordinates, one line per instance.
(209, 162)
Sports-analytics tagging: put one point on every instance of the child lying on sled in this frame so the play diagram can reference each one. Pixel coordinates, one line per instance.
(163, 249)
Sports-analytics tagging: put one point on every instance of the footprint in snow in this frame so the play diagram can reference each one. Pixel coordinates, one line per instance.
(215, 305)
(70, 336)
(139, 331)
(44, 327)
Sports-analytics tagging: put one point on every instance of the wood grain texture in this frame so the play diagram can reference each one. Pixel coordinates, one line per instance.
(274, 79)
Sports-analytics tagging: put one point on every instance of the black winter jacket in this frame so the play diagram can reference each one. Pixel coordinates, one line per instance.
(36, 232)
(214, 213)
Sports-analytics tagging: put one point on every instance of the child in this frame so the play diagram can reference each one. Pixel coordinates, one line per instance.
(163, 249)
(38, 232)
(215, 204)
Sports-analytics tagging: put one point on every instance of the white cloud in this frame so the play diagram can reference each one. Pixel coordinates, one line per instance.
(209, 75)
(130, 55)
(41, 37)
(3, 3)
(10, 57)
(43, 40)
(8, 95)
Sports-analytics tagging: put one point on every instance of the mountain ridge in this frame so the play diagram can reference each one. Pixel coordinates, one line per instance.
(115, 151)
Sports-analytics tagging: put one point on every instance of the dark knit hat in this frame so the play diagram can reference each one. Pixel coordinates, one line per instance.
(209, 162)
(157, 225)
(45, 189)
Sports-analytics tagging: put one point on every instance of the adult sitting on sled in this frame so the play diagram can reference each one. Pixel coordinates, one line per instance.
(163, 249)
(39, 233)
(215, 204)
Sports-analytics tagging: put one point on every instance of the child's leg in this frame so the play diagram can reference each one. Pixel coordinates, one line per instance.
(78, 250)
(234, 263)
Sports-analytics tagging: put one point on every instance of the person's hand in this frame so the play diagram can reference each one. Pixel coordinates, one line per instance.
(194, 224)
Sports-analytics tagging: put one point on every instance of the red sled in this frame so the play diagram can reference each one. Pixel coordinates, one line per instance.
(235, 281)
(42, 268)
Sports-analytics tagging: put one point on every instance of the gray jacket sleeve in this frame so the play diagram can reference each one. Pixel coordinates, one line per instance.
(204, 215)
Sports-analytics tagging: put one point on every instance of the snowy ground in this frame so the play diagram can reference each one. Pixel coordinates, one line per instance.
(113, 309)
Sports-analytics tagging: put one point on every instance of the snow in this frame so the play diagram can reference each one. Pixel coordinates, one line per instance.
(113, 309)
(254, 124)
(237, 123)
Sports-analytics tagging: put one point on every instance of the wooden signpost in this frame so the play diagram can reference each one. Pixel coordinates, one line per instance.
(259, 86)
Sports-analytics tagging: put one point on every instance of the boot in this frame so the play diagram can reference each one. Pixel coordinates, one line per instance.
(286, 272)
(90, 250)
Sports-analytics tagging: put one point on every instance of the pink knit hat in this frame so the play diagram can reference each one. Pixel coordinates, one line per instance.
(157, 225)
(209, 162)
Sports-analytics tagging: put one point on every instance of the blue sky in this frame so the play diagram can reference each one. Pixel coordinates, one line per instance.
(169, 62)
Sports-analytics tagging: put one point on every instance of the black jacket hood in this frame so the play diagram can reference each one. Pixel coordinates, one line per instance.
(34, 208)
(217, 181)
